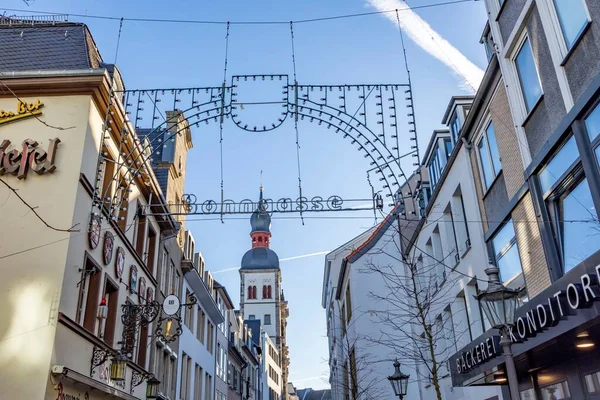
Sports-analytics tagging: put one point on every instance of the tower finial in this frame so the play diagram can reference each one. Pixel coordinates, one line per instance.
(261, 181)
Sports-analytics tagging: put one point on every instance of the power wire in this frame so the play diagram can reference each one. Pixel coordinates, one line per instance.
(214, 22)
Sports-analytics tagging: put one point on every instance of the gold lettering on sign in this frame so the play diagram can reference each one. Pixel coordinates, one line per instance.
(18, 163)
(24, 110)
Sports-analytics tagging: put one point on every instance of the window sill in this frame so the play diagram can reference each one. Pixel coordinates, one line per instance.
(576, 43)
(502, 6)
(489, 189)
(465, 252)
(535, 106)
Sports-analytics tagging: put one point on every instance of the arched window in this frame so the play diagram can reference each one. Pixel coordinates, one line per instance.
(264, 292)
(269, 292)
(253, 239)
(254, 292)
(249, 292)
(260, 239)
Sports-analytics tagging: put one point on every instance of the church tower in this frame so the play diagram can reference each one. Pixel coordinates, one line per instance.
(260, 276)
(261, 295)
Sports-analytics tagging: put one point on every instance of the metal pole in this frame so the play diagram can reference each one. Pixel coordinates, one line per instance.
(511, 371)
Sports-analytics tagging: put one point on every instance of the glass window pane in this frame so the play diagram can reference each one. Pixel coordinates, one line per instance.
(488, 175)
(509, 264)
(592, 123)
(455, 127)
(592, 382)
(530, 83)
(556, 391)
(559, 164)
(581, 230)
(491, 138)
(503, 237)
(528, 394)
(572, 17)
(448, 144)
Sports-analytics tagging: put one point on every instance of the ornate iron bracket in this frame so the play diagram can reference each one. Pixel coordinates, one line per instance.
(99, 355)
(137, 378)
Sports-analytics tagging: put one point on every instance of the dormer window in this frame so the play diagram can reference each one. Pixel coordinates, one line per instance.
(441, 153)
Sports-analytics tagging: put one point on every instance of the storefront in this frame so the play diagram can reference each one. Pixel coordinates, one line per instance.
(555, 342)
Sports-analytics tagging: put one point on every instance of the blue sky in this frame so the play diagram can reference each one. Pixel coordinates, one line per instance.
(347, 51)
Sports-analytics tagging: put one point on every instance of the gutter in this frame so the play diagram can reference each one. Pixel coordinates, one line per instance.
(50, 73)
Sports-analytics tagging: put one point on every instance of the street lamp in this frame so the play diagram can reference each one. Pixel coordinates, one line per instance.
(499, 306)
(117, 367)
(399, 381)
(152, 388)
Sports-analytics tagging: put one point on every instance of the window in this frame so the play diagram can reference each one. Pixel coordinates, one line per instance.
(460, 221)
(489, 157)
(573, 19)
(556, 391)
(208, 387)
(570, 206)
(507, 253)
(452, 230)
(93, 294)
(455, 125)
(111, 296)
(219, 361)
(449, 325)
(592, 382)
(528, 76)
(150, 249)
(592, 125)
(140, 231)
(264, 292)
(448, 147)
(164, 271)
(186, 366)
(348, 303)
(200, 325)
(188, 316)
(168, 154)
(343, 320)
(251, 316)
(267, 319)
(197, 382)
(528, 394)
(437, 260)
(209, 337)
(346, 382)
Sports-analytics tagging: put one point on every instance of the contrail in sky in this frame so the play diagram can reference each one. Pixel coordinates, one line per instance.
(320, 253)
(429, 40)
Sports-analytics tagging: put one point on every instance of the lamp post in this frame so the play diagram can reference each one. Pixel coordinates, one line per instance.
(399, 381)
(499, 306)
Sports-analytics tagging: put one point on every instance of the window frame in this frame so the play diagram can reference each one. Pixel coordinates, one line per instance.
(514, 55)
(481, 137)
(565, 48)
(499, 253)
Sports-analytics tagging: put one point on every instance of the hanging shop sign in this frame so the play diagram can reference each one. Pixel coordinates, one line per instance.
(548, 311)
(142, 290)
(120, 262)
(107, 251)
(94, 232)
(24, 110)
(18, 163)
(478, 354)
(150, 295)
(133, 279)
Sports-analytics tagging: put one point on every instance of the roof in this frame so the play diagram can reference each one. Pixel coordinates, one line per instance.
(160, 171)
(47, 47)
(436, 134)
(454, 100)
(260, 258)
(310, 394)
(365, 247)
(218, 286)
(254, 324)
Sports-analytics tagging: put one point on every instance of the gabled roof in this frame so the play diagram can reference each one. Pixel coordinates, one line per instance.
(46, 47)
(222, 288)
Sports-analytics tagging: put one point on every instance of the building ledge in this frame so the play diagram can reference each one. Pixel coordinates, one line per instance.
(204, 296)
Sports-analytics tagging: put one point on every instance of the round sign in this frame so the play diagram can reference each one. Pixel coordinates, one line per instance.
(171, 304)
